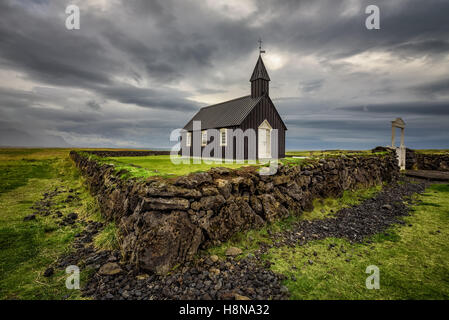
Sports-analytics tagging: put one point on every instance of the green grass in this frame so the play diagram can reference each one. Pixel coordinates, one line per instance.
(162, 166)
(107, 238)
(149, 166)
(322, 208)
(14, 174)
(28, 248)
(413, 259)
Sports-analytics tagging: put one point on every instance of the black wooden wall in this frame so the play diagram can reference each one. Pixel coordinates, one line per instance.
(264, 110)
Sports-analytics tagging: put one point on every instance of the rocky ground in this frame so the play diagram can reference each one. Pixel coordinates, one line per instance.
(355, 223)
(45, 207)
(231, 278)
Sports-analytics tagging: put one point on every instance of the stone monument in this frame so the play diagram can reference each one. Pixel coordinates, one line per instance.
(400, 151)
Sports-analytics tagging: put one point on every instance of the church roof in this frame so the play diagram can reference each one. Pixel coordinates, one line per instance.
(259, 71)
(225, 114)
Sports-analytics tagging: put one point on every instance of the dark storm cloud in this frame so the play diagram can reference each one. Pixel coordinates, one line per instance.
(425, 47)
(414, 27)
(339, 125)
(47, 52)
(412, 108)
(15, 98)
(159, 55)
(440, 87)
(146, 97)
(93, 105)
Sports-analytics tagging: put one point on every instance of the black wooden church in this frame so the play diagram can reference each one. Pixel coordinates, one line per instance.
(255, 111)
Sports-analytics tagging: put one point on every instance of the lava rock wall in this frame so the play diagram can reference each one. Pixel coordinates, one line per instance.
(438, 162)
(164, 222)
(127, 153)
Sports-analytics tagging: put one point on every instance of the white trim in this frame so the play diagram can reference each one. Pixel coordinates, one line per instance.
(203, 134)
(189, 139)
(222, 160)
(265, 125)
(225, 131)
(264, 139)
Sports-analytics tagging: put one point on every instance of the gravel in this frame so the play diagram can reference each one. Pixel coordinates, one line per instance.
(231, 278)
(355, 223)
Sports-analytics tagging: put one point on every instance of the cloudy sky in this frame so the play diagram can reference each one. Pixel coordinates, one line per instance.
(137, 69)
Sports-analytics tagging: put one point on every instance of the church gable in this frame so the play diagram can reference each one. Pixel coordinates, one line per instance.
(265, 110)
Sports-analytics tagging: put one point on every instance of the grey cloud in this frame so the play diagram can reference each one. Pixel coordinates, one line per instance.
(151, 98)
(48, 52)
(413, 108)
(311, 86)
(424, 47)
(440, 87)
(93, 105)
(87, 84)
(12, 136)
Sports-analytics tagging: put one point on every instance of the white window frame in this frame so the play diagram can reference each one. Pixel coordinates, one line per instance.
(189, 139)
(204, 138)
(225, 131)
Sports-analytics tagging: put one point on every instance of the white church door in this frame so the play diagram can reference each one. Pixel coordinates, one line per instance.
(264, 140)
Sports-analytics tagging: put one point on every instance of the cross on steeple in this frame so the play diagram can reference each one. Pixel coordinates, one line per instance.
(260, 46)
(259, 79)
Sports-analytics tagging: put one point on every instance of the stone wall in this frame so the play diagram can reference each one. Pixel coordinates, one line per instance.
(163, 222)
(424, 161)
(128, 153)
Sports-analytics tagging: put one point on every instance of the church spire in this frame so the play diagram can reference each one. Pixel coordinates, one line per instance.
(260, 72)
(259, 79)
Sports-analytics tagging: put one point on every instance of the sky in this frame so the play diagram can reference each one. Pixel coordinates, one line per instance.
(136, 70)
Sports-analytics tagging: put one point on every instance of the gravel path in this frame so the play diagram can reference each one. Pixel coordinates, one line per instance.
(355, 223)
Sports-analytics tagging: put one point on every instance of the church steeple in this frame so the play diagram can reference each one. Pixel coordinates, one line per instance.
(259, 79)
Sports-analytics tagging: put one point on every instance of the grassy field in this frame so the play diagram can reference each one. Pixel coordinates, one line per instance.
(163, 166)
(413, 259)
(148, 166)
(27, 248)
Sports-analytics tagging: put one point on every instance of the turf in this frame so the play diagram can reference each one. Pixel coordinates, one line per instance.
(148, 166)
(413, 259)
(28, 248)
(163, 166)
